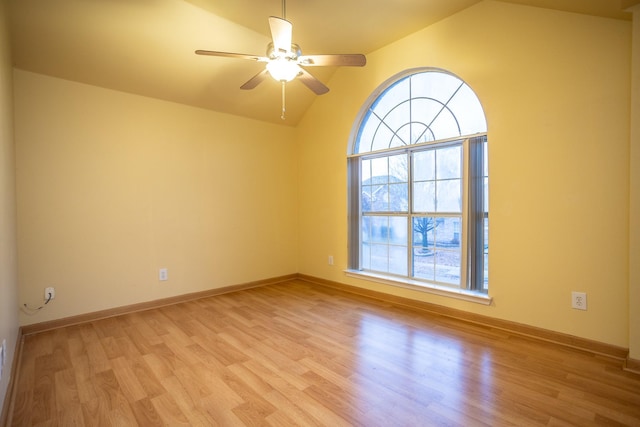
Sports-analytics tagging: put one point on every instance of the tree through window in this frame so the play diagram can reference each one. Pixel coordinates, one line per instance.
(418, 184)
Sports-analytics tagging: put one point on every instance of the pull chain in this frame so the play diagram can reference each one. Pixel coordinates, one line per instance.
(283, 105)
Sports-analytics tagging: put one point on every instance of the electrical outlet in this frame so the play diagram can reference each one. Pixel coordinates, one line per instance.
(579, 300)
(163, 274)
(49, 293)
(330, 259)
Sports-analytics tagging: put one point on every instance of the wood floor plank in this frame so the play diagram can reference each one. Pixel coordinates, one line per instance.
(98, 360)
(96, 412)
(107, 388)
(158, 366)
(66, 390)
(145, 376)
(145, 413)
(121, 414)
(127, 380)
(190, 408)
(296, 354)
(289, 413)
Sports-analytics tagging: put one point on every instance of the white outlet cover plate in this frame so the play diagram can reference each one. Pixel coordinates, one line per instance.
(579, 300)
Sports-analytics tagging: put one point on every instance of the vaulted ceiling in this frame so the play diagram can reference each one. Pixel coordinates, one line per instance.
(146, 47)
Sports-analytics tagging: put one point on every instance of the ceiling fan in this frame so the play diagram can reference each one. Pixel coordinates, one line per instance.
(285, 61)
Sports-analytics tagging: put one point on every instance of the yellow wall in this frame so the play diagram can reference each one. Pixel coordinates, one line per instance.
(8, 260)
(555, 87)
(111, 187)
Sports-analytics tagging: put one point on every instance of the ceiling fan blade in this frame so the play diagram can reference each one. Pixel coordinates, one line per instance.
(281, 30)
(255, 80)
(312, 83)
(353, 60)
(232, 55)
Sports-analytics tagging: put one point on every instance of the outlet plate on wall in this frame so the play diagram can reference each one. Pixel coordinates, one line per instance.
(579, 300)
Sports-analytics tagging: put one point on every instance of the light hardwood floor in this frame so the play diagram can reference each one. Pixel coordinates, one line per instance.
(297, 354)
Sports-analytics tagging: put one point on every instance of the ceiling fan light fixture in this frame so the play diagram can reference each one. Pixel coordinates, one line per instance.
(284, 60)
(283, 69)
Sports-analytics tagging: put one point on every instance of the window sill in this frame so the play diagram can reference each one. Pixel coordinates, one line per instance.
(415, 285)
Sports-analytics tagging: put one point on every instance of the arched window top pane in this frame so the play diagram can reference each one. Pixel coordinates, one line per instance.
(421, 107)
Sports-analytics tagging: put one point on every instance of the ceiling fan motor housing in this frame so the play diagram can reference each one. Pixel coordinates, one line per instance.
(292, 54)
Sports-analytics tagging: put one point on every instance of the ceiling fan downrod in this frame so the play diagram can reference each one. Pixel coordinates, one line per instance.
(283, 105)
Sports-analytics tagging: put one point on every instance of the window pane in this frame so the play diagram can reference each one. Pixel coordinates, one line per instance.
(380, 198)
(447, 247)
(380, 258)
(485, 197)
(447, 233)
(447, 267)
(385, 244)
(445, 125)
(424, 164)
(423, 264)
(423, 232)
(379, 229)
(398, 231)
(380, 170)
(486, 235)
(448, 162)
(424, 196)
(382, 138)
(435, 85)
(424, 247)
(365, 229)
(398, 168)
(367, 133)
(467, 109)
(485, 282)
(420, 132)
(365, 170)
(365, 260)
(400, 138)
(423, 113)
(485, 174)
(385, 187)
(366, 198)
(485, 156)
(439, 101)
(437, 249)
(448, 196)
(396, 118)
(398, 198)
(398, 260)
(391, 97)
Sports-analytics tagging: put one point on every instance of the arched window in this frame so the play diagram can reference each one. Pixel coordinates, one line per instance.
(418, 185)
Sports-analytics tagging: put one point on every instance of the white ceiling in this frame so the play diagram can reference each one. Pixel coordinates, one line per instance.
(147, 47)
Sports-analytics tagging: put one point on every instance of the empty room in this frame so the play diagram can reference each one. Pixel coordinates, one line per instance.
(305, 213)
